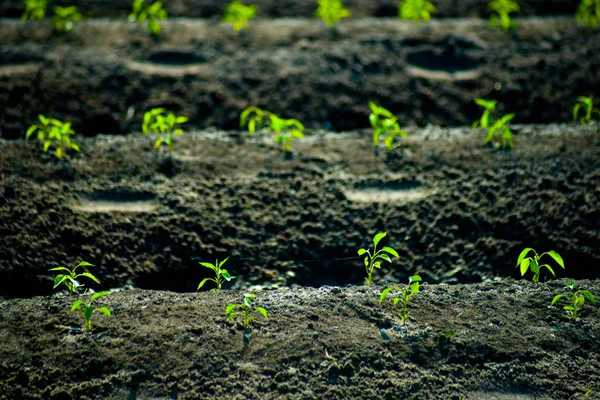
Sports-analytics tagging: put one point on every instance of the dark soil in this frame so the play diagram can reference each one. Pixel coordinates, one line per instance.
(327, 343)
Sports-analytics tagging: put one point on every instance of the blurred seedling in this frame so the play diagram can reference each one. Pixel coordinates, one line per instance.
(588, 12)
(239, 14)
(221, 274)
(403, 299)
(498, 131)
(501, 10)
(385, 125)
(148, 14)
(373, 260)
(578, 298)
(417, 10)
(533, 263)
(283, 130)
(331, 12)
(156, 121)
(245, 310)
(87, 309)
(53, 132)
(34, 10)
(69, 278)
(64, 18)
(584, 110)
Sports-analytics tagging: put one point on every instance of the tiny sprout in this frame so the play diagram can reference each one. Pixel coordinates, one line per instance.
(331, 12)
(500, 17)
(417, 10)
(64, 18)
(151, 14)
(87, 309)
(588, 12)
(69, 279)
(34, 10)
(51, 131)
(245, 309)
(221, 274)
(283, 130)
(373, 261)
(578, 298)
(585, 104)
(384, 124)
(498, 130)
(156, 122)
(406, 294)
(239, 14)
(533, 264)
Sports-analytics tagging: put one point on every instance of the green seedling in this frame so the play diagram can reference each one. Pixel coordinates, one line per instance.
(87, 309)
(405, 295)
(373, 261)
(417, 10)
(69, 277)
(533, 263)
(246, 309)
(239, 14)
(385, 125)
(53, 132)
(498, 131)
(501, 10)
(331, 12)
(150, 15)
(283, 130)
(221, 274)
(578, 298)
(487, 118)
(34, 10)
(585, 106)
(588, 12)
(156, 121)
(64, 18)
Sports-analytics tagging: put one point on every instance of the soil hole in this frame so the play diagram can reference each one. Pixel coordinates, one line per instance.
(400, 192)
(174, 58)
(117, 201)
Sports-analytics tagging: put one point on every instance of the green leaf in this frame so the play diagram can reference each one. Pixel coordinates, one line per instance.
(556, 258)
(588, 295)
(556, 298)
(47, 145)
(384, 257)
(230, 308)
(262, 311)
(378, 237)
(98, 295)
(77, 304)
(208, 265)
(414, 288)
(104, 310)
(525, 265)
(203, 282)
(523, 254)
(549, 269)
(391, 251)
(384, 293)
(87, 274)
(396, 300)
(377, 265)
(361, 252)
(223, 262)
(58, 280)
(61, 269)
(226, 275)
(415, 278)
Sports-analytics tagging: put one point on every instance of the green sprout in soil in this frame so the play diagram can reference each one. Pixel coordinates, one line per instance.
(578, 297)
(283, 130)
(588, 12)
(156, 121)
(498, 132)
(69, 277)
(384, 124)
(151, 14)
(405, 295)
(246, 309)
(87, 309)
(239, 14)
(64, 18)
(331, 12)
(417, 10)
(585, 106)
(501, 10)
(34, 10)
(53, 132)
(221, 274)
(533, 263)
(373, 260)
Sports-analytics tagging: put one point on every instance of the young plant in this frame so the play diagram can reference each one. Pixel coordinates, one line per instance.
(588, 12)
(384, 124)
(34, 10)
(221, 274)
(585, 104)
(283, 130)
(155, 121)
(239, 14)
(487, 119)
(500, 17)
(578, 298)
(53, 132)
(373, 261)
(246, 309)
(533, 263)
(151, 14)
(69, 277)
(87, 309)
(331, 12)
(405, 295)
(64, 18)
(498, 131)
(417, 10)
